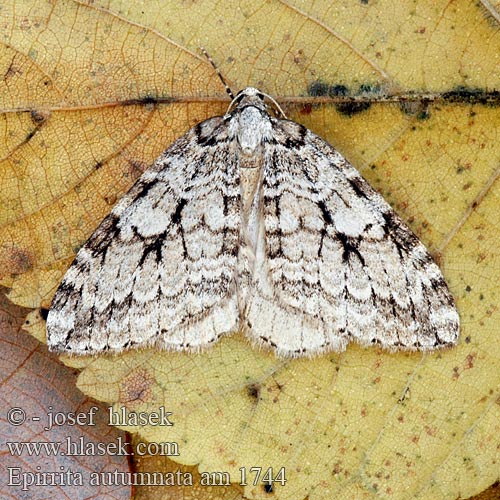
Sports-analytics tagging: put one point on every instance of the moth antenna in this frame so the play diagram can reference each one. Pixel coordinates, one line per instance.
(275, 104)
(219, 74)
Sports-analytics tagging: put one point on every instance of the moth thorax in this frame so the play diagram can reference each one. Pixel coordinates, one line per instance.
(253, 127)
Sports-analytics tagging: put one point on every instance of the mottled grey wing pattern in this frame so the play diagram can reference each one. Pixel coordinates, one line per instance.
(252, 222)
(161, 267)
(340, 264)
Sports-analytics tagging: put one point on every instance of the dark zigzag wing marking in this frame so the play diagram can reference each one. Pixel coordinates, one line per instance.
(341, 259)
(163, 260)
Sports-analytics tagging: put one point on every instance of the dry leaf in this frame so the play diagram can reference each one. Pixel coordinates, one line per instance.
(151, 464)
(92, 92)
(36, 386)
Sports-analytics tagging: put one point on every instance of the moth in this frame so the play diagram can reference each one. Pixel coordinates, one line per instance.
(250, 222)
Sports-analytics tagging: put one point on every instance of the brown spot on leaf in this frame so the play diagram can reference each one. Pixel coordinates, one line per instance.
(25, 24)
(12, 71)
(15, 260)
(253, 391)
(136, 168)
(275, 389)
(467, 365)
(299, 57)
(111, 199)
(469, 361)
(38, 117)
(306, 109)
(136, 387)
(431, 430)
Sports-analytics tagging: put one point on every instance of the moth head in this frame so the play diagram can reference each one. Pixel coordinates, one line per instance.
(251, 96)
